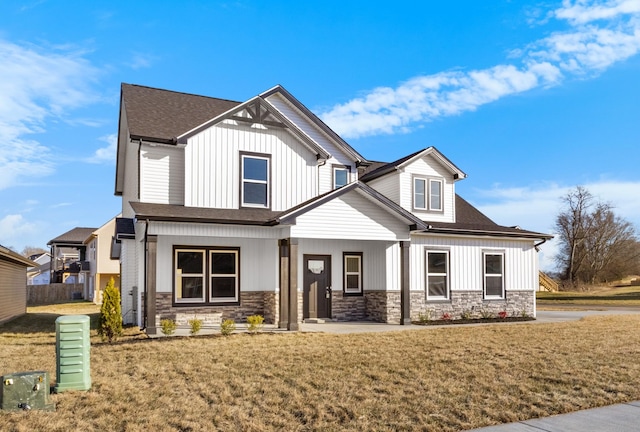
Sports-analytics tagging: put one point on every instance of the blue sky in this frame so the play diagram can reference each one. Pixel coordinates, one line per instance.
(529, 99)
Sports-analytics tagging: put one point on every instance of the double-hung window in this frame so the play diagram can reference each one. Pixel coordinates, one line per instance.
(493, 275)
(352, 273)
(437, 275)
(427, 194)
(255, 180)
(340, 176)
(206, 275)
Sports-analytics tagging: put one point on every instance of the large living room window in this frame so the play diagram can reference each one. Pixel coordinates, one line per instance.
(206, 275)
(493, 275)
(437, 275)
(255, 180)
(353, 273)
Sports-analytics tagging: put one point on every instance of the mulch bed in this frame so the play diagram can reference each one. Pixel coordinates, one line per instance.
(473, 321)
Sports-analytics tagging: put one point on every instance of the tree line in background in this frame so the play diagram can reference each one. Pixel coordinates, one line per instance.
(596, 245)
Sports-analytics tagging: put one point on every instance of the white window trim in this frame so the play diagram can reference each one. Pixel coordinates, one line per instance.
(235, 298)
(265, 182)
(485, 275)
(426, 193)
(340, 168)
(179, 275)
(352, 291)
(447, 275)
(440, 201)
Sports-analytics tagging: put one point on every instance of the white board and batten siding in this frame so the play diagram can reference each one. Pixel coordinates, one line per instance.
(259, 260)
(428, 167)
(350, 216)
(466, 261)
(213, 166)
(338, 156)
(13, 290)
(128, 282)
(374, 260)
(162, 174)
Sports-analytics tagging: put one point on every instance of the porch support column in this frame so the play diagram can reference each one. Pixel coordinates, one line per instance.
(150, 279)
(283, 301)
(293, 285)
(405, 293)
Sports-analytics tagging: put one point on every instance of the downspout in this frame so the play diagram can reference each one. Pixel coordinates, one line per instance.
(537, 245)
(144, 317)
(321, 162)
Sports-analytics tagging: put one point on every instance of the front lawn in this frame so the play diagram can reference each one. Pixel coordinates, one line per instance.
(596, 296)
(441, 379)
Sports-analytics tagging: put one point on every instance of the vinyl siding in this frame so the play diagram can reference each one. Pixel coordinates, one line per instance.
(130, 161)
(388, 185)
(258, 260)
(13, 290)
(213, 230)
(350, 216)
(212, 159)
(162, 174)
(428, 167)
(338, 157)
(128, 280)
(374, 264)
(465, 259)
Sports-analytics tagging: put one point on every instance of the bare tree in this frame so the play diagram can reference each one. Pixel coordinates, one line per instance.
(32, 250)
(595, 244)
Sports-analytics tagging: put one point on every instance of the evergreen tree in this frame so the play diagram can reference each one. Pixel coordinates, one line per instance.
(110, 325)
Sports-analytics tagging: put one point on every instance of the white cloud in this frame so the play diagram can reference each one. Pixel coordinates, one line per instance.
(536, 207)
(15, 227)
(36, 85)
(141, 61)
(105, 154)
(585, 49)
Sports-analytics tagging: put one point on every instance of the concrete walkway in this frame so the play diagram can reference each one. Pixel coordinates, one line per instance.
(614, 418)
(543, 316)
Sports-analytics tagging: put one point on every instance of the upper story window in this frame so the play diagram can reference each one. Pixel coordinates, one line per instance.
(255, 180)
(493, 275)
(427, 194)
(340, 176)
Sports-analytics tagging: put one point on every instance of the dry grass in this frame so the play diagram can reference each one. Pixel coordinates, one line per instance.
(596, 296)
(433, 379)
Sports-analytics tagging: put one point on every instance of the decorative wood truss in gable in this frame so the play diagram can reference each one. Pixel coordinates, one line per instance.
(258, 112)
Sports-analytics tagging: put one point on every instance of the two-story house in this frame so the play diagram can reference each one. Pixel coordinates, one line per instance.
(237, 208)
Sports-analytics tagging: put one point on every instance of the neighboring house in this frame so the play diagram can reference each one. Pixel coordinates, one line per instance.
(13, 284)
(40, 274)
(101, 267)
(68, 256)
(231, 209)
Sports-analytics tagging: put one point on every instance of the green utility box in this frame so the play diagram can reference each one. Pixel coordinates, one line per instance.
(72, 353)
(25, 391)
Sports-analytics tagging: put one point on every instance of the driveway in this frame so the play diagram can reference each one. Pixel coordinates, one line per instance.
(543, 316)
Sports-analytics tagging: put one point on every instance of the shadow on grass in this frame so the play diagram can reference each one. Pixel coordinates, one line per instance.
(32, 323)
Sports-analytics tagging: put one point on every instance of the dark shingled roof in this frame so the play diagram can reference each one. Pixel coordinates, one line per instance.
(178, 213)
(469, 220)
(162, 115)
(125, 228)
(7, 254)
(74, 236)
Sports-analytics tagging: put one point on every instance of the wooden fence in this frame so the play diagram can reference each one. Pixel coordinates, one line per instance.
(52, 293)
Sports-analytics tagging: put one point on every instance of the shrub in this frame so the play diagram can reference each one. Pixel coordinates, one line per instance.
(446, 316)
(424, 317)
(195, 324)
(502, 314)
(227, 327)
(110, 323)
(256, 322)
(168, 326)
(486, 314)
(466, 314)
(524, 313)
